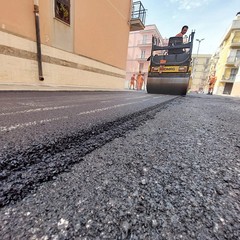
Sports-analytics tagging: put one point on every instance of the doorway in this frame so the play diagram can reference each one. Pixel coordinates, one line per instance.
(228, 88)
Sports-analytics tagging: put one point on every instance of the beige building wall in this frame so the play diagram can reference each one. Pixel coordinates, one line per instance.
(17, 17)
(200, 72)
(228, 64)
(102, 29)
(90, 53)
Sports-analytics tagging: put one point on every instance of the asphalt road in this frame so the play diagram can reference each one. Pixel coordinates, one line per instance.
(164, 168)
(39, 128)
(36, 117)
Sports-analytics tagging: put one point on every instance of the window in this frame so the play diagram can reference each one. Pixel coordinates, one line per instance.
(232, 57)
(143, 54)
(233, 74)
(62, 10)
(157, 41)
(141, 65)
(238, 54)
(144, 39)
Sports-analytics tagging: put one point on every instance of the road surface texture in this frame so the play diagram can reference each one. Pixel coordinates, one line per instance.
(38, 129)
(170, 171)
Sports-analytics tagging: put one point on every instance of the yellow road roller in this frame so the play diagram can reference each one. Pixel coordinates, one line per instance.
(170, 66)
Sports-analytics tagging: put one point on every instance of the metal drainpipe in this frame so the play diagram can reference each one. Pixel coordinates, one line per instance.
(38, 40)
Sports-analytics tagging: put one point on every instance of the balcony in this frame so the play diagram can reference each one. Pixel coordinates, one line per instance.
(231, 61)
(235, 25)
(235, 44)
(147, 43)
(230, 79)
(141, 59)
(138, 17)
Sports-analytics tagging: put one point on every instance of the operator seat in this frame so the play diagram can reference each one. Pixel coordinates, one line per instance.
(174, 41)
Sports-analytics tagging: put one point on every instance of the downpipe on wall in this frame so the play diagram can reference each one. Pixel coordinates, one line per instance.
(38, 40)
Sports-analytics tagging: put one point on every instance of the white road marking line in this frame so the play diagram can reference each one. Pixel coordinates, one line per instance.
(38, 110)
(108, 108)
(28, 124)
(30, 104)
(55, 108)
(136, 97)
(34, 123)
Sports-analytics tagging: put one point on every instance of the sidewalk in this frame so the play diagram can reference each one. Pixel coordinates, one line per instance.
(175, 177)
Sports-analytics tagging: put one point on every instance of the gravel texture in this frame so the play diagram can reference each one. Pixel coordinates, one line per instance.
(176, 176)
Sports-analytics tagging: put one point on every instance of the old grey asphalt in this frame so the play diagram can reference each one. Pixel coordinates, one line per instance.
(175, 176)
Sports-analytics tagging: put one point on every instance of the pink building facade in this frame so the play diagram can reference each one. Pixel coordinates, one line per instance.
(139, 49)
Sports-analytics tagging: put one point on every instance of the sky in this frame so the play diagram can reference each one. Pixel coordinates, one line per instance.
(209, 18)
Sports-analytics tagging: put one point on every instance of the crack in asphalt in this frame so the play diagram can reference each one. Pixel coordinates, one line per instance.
(23, 172)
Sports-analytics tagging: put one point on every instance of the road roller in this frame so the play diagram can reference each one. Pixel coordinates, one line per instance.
(170, 66)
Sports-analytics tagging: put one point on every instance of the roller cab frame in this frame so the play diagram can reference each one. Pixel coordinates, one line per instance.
(170, 66)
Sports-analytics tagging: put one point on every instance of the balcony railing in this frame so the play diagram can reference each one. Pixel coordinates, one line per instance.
(141, 59)
(145, 43)
(230, 79)
(235, 24)
(231, 61)
(138, 17)
(235, 43)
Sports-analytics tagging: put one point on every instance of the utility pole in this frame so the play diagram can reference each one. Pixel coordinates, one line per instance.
(199, 42)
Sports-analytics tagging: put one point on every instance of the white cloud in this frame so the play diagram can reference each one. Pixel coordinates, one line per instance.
(189, 4)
